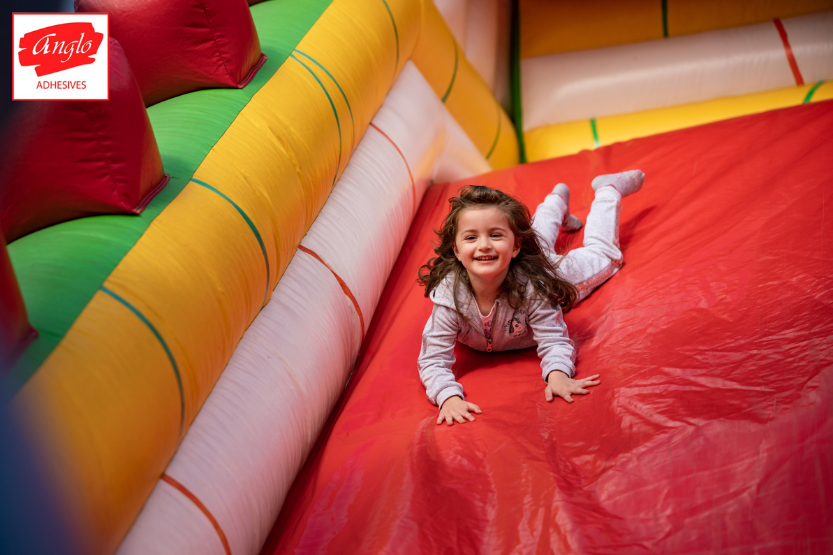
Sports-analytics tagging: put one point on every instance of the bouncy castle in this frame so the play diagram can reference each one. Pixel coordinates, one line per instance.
(211, 321)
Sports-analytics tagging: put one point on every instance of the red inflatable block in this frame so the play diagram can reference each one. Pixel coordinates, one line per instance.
(712, 428)
(15, 331)
(65, 160)
(175, 47)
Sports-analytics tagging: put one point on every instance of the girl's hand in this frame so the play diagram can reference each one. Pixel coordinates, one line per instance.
(455, 408)
(559, 384)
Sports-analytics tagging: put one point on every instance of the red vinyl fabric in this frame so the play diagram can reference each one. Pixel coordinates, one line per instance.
(712, 429)
(185, 45)
(65, 160)
(15, 331)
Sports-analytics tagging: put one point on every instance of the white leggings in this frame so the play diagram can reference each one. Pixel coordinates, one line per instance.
(589, 266)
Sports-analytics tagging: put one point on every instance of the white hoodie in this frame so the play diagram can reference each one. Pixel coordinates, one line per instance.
(536, 323)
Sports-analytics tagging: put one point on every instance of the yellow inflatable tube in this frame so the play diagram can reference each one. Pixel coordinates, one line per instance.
(553, 26)
(568, 138)
(113, 400)
(467, 97)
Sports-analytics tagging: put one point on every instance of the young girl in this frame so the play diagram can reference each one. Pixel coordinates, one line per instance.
(497, 284)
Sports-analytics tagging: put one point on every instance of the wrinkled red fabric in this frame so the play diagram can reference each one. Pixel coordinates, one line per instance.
(180, 46)
(15, 331)
(64, 160)
(712, 429)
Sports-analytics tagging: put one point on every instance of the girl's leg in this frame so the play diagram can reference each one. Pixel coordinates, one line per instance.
(553, 214)
(600, 258)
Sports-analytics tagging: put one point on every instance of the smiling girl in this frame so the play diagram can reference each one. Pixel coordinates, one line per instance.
(497, 283)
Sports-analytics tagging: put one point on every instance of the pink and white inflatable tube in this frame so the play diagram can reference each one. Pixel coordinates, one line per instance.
(585, 84)
(226, 484)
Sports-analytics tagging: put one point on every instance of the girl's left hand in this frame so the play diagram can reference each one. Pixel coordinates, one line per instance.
(558, 383)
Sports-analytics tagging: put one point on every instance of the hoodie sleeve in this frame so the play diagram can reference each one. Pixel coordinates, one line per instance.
(436, 357)
(555, 349)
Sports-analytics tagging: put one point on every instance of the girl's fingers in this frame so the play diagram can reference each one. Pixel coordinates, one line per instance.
(449, 420)
(548, 394)
(469, 417)
(580, 391)
(567, 398)
(475, 408)
(459, 418)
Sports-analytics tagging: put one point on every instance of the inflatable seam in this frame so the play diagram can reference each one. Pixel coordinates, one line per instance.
(341, 282)
(349, 109)
(497, 135)
(454, 73)
(799, 80)
(162, 342)
(812, 91)
(252, 72)
(335, 113)
(407, 166)
(214, 38)
(252, 226)
(396, 36)
(195, 500)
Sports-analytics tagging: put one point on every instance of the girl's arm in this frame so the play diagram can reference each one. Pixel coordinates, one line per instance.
(436, 357)
(555, 348)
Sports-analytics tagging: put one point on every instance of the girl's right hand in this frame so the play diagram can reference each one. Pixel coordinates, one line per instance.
(457, 409)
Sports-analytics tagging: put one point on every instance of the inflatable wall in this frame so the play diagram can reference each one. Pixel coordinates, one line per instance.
(231, 367)
(600, 73)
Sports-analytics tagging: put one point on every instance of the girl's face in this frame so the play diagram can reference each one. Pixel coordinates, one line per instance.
(485, 244)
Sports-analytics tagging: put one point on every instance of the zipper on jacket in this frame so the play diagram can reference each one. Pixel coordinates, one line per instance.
(491, 330)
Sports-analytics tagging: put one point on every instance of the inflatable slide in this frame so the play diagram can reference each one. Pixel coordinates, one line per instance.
(211, 319)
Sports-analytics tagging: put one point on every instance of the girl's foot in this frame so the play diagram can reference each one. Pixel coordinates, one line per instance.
(626, 183)
(570, 223)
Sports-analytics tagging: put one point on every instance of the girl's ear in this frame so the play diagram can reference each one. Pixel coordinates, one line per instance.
(517, 248)
(454, 246)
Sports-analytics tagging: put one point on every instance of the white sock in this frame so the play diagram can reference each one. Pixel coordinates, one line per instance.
(626, 183)
(569, 223)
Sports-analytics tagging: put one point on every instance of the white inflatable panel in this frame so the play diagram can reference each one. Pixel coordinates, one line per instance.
(461, 158)
(813, 56)
(593, 83)
(195, 533)
(482, 28)
(455, 14)
(260, 422)
(482, 39)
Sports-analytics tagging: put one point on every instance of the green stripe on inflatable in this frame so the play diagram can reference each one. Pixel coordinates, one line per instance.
(344, 96)
(395, 34)
(811, 92)
(665, 18)
(162, 342)
(335, 113)
(453, 75)
(497, 135)
(251, 225)
(60, 268)
(595, 132)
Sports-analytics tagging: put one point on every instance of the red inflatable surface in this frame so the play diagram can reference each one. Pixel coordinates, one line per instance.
(65, 160)
(712, 429)
(180, 46)
(15, 331)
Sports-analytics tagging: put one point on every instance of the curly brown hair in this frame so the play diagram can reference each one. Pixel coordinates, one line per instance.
(530, 263)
